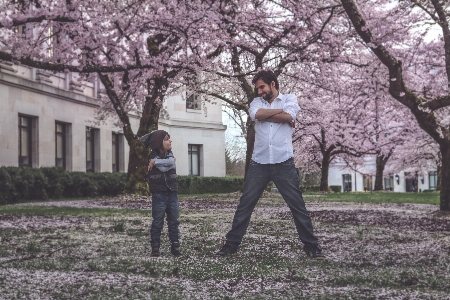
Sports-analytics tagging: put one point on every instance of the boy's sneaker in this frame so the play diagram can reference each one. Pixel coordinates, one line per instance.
(227, 249)
(175, 248)
(155, 249)
(313, 251)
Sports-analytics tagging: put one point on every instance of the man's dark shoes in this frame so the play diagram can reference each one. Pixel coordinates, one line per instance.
(155, 249)
(175, 249)
(227, 249)
(313, 251)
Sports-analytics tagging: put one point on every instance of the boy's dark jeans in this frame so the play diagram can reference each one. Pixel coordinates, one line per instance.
(285, 177)
(165, 203)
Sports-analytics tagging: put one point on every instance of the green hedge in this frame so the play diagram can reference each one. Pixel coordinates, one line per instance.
(205, 185)
(30, 184)
(310, 188)
(316, 188)
(336, 188)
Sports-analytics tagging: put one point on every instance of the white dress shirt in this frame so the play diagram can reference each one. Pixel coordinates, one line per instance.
(273, 141)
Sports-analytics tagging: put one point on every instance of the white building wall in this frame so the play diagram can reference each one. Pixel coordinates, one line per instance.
(51, 98)
(198, 127)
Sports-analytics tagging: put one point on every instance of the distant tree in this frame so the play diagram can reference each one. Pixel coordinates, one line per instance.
(395, 32)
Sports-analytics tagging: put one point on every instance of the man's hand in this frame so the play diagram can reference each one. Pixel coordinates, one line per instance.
(273, 115)
(265, 113)
(151, 164)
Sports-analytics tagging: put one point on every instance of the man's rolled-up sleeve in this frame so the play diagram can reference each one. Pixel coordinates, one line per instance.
(254, 106)
(291, 106)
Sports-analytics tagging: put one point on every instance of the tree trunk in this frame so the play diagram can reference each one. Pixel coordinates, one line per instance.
(137, 169)
(324, 176)
(381, 163)
(445, 177)
(138, 157)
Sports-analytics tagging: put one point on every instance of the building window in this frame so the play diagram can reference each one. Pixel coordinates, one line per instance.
(115, 152)
(194, 159)
(25, 133)
(20, 31)
(90, 150)
(410, 182)
(432, 177)
(368, 182)
(60, 145)
(389, 183)
(193, 102)
(347, 182)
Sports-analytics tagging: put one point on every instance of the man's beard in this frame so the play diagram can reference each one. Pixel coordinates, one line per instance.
(268, 96)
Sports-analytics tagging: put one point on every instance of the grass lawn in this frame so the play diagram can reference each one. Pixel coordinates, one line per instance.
(99, 249)
(381, 197)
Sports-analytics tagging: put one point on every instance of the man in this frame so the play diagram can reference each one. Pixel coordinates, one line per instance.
(272, 160)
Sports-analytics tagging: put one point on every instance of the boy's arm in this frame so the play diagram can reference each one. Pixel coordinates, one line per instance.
(151, 159)
(165, 164)
(151, 164)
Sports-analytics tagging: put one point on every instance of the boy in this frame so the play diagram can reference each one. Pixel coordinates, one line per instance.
(162, 179)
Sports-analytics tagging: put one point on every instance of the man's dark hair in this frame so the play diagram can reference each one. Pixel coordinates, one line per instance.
(267, 76)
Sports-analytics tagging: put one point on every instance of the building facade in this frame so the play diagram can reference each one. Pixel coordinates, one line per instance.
(48, 119)
(404, 181)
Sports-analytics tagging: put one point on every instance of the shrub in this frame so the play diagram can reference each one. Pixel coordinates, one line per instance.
(204, 185)
(109, 184)
(6, 187)
(28, 184)
(310, 188)
(270, 186)
(81, 185)
(58, 179)
(336, 188)
(25, 184)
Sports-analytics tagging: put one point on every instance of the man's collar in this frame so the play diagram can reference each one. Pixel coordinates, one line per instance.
(277, 97)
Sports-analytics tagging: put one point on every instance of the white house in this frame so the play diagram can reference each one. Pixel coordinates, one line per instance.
(47, 119)
(403, 181)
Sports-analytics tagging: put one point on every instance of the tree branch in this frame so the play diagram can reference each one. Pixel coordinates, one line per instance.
(59, 19)
(397, 88)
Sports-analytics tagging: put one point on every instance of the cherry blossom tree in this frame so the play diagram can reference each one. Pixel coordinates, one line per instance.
(395, 31)
(135, 48)
(265, 35)
(389, 121)
(336, 120)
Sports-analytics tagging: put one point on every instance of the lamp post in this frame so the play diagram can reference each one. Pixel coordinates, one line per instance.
(397, 178)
